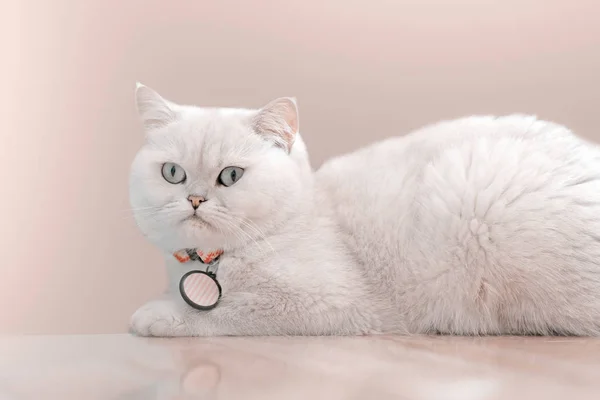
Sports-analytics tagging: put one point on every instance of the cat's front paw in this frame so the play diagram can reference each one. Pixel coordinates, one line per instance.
(160, 318)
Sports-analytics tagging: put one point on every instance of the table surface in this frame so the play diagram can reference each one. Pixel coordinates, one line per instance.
(385, 367)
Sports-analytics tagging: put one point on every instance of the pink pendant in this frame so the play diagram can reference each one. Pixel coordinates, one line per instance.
(200, 290)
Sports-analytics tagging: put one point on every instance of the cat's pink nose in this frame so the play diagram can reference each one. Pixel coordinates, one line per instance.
(196, 200)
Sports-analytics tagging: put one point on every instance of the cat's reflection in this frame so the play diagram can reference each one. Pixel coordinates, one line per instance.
(200, 380)
(210, 372)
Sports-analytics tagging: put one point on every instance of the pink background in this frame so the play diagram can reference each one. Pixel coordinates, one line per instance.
(72, 259)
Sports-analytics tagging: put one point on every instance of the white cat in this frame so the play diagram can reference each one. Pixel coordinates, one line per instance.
(480, 225)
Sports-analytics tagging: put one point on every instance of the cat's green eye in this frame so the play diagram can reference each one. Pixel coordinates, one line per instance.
(173, 173)
(230, 175)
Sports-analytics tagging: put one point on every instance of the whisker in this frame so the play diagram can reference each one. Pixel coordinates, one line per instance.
(250, 225)
(232, 229)
(236, 230)
(261, 237)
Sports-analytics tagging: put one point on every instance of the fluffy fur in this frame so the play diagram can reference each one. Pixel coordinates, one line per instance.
(480, 225)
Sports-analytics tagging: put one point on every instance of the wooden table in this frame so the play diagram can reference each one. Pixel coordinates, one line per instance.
(387, 367)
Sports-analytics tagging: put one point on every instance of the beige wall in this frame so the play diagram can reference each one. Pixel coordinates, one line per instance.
(72, 260)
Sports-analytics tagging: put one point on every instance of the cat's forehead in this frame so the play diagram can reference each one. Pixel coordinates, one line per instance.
(212, 124)
(210, 136)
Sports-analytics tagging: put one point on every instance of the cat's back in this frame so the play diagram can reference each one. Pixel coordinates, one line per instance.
(469, 196)
(420, 147)
(446, 162)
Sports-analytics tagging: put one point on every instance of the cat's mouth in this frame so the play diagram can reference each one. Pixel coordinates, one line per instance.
(197, 221)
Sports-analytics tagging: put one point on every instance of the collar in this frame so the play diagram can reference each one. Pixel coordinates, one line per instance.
(186, 255)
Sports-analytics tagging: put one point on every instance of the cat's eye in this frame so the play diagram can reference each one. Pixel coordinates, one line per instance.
(230, 175)
(173, 173)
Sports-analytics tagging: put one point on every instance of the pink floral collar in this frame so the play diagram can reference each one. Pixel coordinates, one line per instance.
(186, 255)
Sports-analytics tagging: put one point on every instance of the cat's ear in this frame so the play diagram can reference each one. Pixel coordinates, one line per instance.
(154, 111)
(278, 122)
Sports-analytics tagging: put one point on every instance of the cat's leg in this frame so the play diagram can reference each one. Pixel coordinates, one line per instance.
(262, 313)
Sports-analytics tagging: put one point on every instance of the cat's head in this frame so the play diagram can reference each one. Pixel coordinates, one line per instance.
(216, 177)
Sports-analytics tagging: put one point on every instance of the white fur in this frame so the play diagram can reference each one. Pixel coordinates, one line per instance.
(480, 225)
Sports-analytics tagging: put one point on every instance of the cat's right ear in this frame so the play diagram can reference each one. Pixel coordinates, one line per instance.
(154, 111)
(278, 121)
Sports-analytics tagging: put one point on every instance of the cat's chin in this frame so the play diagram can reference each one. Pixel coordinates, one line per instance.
(197, 222)
(192, 234)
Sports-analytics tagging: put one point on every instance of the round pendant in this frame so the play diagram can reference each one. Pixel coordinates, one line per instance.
(200, 290)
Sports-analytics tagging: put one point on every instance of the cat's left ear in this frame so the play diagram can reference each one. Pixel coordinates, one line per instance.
(154, 111)
(278, 122)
